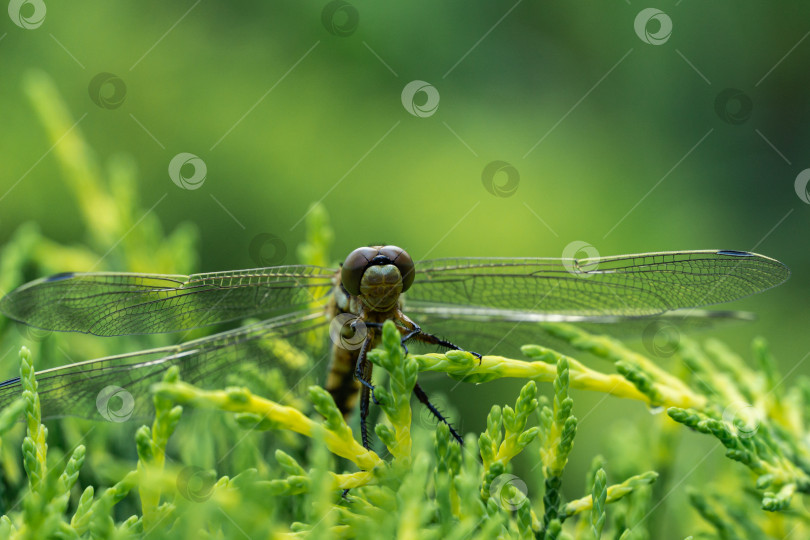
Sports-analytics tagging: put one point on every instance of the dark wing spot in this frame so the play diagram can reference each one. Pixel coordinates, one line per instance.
(733, 253)
(60, 277)
(10, 382)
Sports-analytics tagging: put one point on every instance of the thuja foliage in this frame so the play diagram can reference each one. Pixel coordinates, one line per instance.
(425, 486)
(271, 462)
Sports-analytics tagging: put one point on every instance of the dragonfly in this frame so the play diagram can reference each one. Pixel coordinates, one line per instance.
(482, 299)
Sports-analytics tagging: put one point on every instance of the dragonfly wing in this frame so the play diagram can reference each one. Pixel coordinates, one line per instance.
(681, 321)
(490, 334)
(576, 289)
(113, 304)
(84, 388)
(503, 332)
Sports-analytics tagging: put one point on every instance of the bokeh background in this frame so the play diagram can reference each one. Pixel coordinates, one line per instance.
(684, 127)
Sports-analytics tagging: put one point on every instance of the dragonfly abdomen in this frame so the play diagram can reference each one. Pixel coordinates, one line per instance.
(341, 382)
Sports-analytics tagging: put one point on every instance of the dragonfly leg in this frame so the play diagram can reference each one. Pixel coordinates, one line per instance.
(416, 333)
(430, 338)
(422, 397)
(370, 324)
(363, 374)
(364, 393)
(362, 370)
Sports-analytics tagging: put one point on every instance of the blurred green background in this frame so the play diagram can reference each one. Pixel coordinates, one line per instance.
(627, 145)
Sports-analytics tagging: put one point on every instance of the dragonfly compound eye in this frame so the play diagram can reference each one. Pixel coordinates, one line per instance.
(400, 258)
(354, 266)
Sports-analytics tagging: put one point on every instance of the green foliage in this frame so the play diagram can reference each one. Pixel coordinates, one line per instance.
(425, 489)
(599, 497)
(760, 433)
(204, 471)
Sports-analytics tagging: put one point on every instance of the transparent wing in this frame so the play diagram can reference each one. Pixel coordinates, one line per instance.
(85, 388)
(113, 304)
(503, 332)
(577, 289)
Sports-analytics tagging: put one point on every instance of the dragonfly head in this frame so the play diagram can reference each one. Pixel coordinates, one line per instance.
(377, 275)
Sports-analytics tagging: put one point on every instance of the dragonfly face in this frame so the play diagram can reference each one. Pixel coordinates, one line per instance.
(377, 275)
(478, 301)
